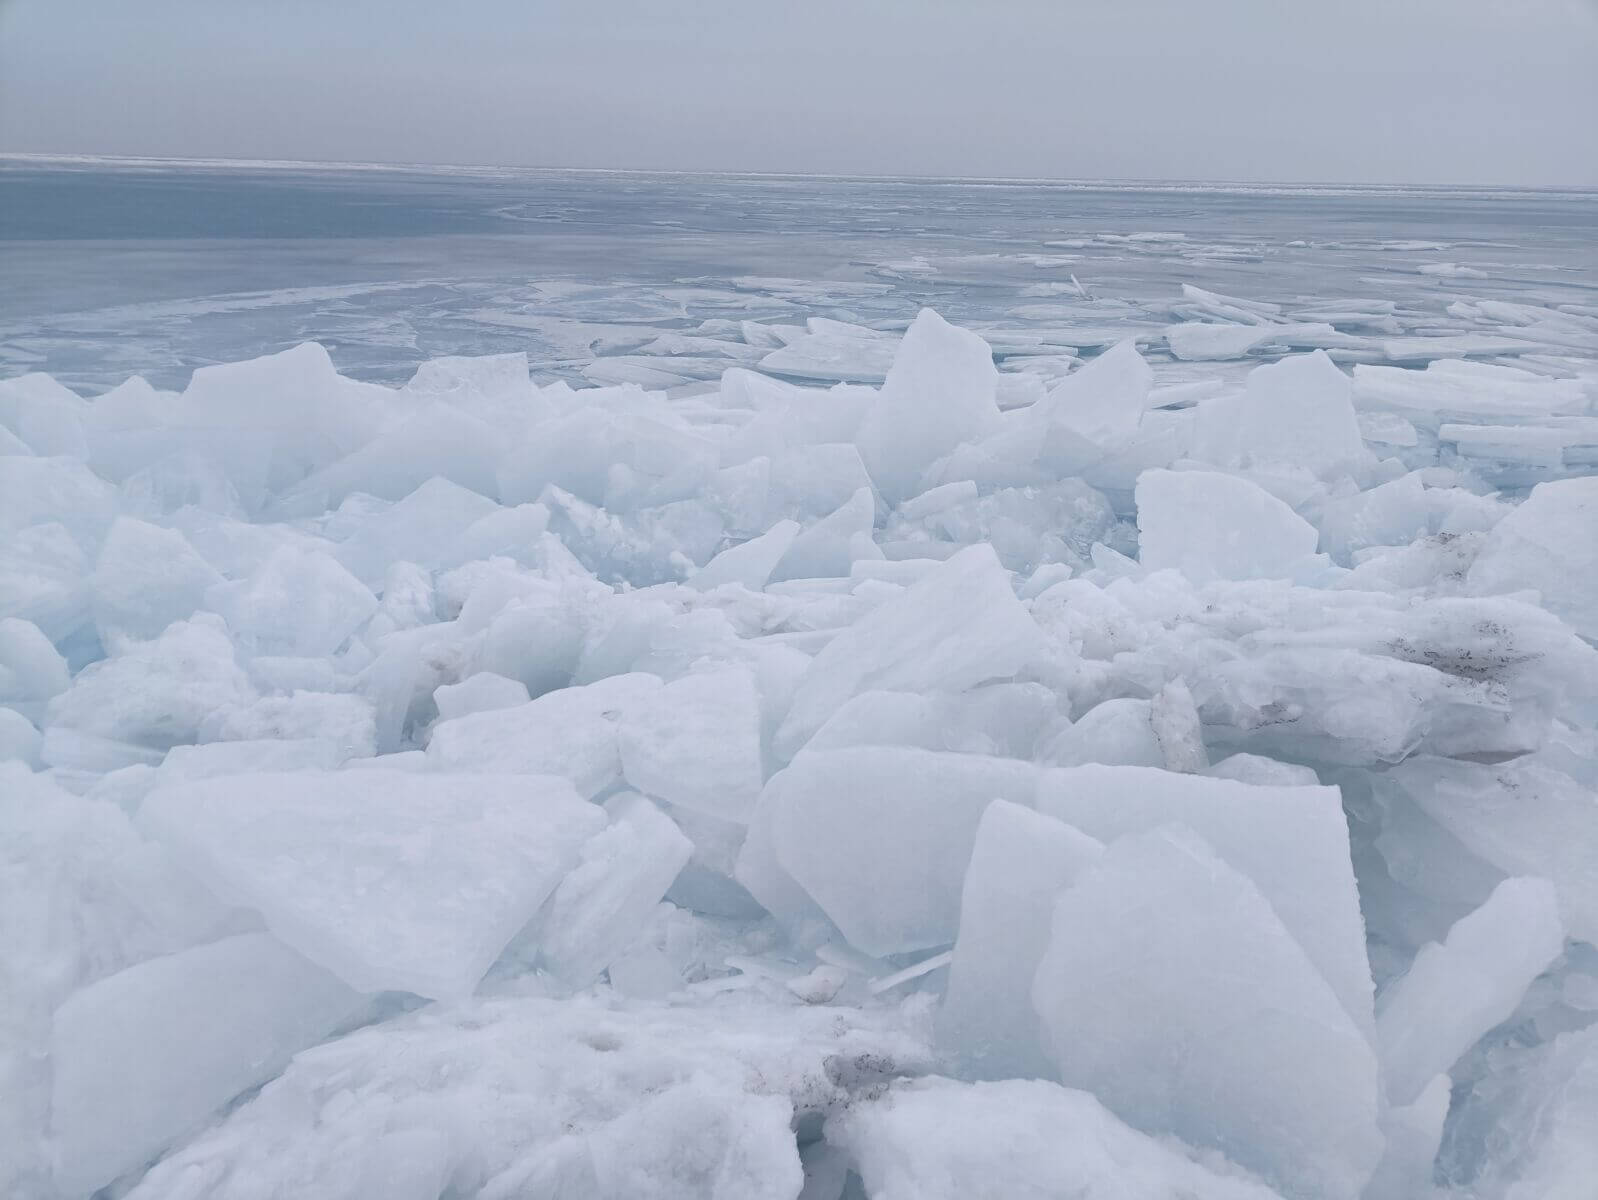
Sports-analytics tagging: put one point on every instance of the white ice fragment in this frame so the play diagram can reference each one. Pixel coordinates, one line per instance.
(1211, 526)
(880, 837)
(1177, 728)
(156, 694)
(1291, 842)
(598, 909)
(959, 626)
(829, 547)
(820, 985)
(749, 563)
(482, 692)
(696, 742)
(1550, 543)
(1522, 817)
(1117, 732)
(392, 880)
(569, 732)
(938, 1139)
(19, 740)
(1458, 989)
(143, 1057)
(300, 602)
(426, 527)
(1414, 1132)
(145, 578)
(1019, 864)
(31, 671)
(941, 391)
(1300, 412)
(1103, 402)
(1218, 1030)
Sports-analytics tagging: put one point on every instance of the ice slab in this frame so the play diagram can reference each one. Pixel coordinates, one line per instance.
(143, 1057)
(145, 578)
(1218, 1030)
(697, 742)
(1290, 842)
(1213, 526)
(1020, 863)
(570, 732)
(1458, 989)
(880, 837)
(597, 911)
(392, 880)
(941, 391)
(959, 626)
(482, 692)
(1549, 543)
(156, 694)
(1522, 817)
(299, 603)
(748, 563)
(516, 1097)
(938, 1139)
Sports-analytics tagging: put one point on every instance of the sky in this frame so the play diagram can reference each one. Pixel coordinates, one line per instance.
(1400, 91)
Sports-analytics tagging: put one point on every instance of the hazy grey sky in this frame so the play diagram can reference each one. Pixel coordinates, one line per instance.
(1491, 91)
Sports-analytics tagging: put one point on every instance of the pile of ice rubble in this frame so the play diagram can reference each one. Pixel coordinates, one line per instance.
(478, 789)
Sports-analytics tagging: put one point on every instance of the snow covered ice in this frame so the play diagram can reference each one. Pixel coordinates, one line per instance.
(763, 736)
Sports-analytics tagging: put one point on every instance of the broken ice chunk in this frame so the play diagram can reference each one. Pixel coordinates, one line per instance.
(1456, 990)
(1211, 526)
(748, 563)
(482, 692)
(696, 742)
(937, 1139)
(880, 836)
(1118, 732)
(144, 1056)
(1217, 1029)
(941, 391)
(1291, 842)
(569, 732)
(1522, 817)
(392, 880)
(300, 602)
(598, 909)
(1550, 543)
(959, 626)
(145, 578)
(827, 548)
(1019, 864)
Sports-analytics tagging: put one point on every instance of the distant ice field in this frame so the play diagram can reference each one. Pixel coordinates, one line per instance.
(119, 267)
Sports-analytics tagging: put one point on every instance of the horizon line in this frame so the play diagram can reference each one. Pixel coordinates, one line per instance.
(1141, 182)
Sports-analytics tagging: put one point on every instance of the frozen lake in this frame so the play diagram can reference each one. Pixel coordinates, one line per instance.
(115, 268)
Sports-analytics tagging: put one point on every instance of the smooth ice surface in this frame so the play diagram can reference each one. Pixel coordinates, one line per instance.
(1218, 1030)
(939, 1139)
(144, 1056)
(1020, 863)
(392, 880)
